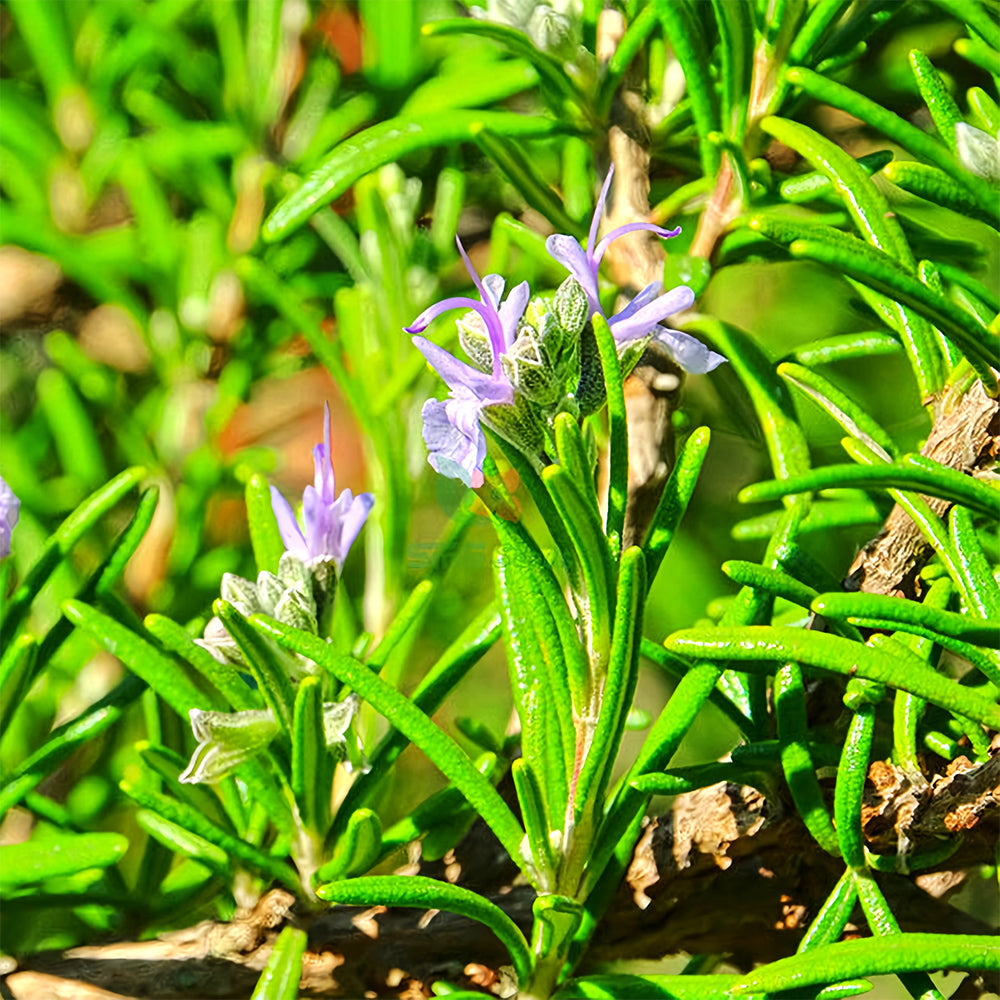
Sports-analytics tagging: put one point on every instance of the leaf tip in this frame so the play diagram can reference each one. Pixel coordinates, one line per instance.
(73, 610)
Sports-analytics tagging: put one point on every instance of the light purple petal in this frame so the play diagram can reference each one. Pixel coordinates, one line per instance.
(691, 354)
(643, 322)
(599, 211)
(288, 527)
(472, 271)
(322, 462)
(349, 515)
(457, 375)
(316, 521)
(432, 312)
(10, 508)
(647, 295)
(494, 286)
(455, 442)
(574, 258)
(511, 312)
(631, 227)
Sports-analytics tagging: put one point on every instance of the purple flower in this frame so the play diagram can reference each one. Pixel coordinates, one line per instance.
(331, 522)
(10, 507)
(642, 316)
(452, 432)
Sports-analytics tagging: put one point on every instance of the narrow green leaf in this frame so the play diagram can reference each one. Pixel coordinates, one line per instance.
(976, 16)
(169, 766)
(339, 122)
(956, 487)
(524, 176)
(851, 255)
(981, 659)
(840, 406)
(786, 444)
(181, 841)
(40, 859)
(625, 51)
(572, 453)
(44, 30)
(736, 40)
(516, 42)
(935, 93)
(675, 499)
(800, 774)
(616, 986)
(456, 661)
(387, 142)
(980, 583)
(871, 214)
(73, 429)
(833, 915)
(969, 335)
(850, 786)
(17, 667)
(979, 54)
(392, 53)
(224, 676)
(593, 556)
(537, 675)
(982, 632)
(676, 668)
(281, 976)
(866, 205)
(816, 184)
(160, 672)
(845, 347)
(532, 481)
(64, 740)
(683, 31)
(407, 619)
(985, 109)
(312, 775)
(525, 557)
(64, 538)
(618, 428)
(264, 535)
(779, 583)
(356, 850)
(872, 957)
(620, 680)
(531, 799)
(935, 185)
(458, 89)
(915, 862)
(190, 819)
(411, 721)
(911, 138)
(449, 195)
(427, 893)
(839, 655)
(265, 794)
(262, 660)
(680, 780)
(823, 514)
(444, 816)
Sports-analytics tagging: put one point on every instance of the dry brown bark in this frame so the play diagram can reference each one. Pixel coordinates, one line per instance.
(965, 436)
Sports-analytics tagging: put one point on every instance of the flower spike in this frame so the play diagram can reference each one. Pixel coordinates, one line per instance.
(642, 316)
(452, 432)
(330, 523)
